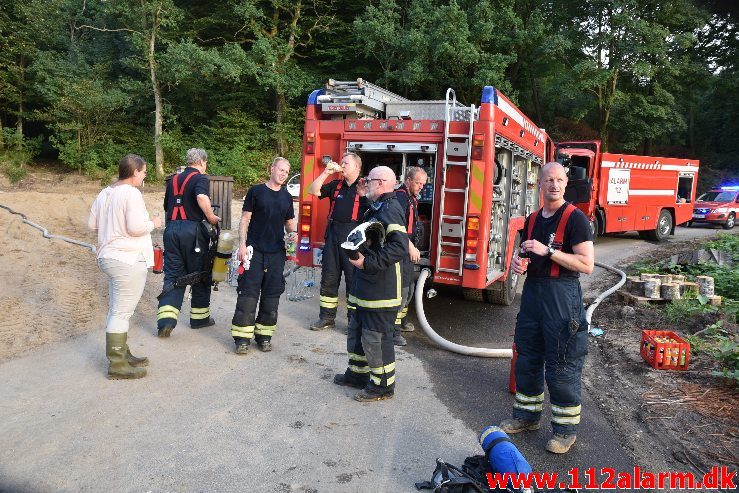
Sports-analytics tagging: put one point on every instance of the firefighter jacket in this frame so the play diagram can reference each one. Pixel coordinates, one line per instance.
(378, 286)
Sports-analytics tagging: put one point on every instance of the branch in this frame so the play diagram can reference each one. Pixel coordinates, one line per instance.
(105, 29)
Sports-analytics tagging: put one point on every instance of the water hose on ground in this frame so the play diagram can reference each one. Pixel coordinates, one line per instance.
(490, 352)
(46, 233)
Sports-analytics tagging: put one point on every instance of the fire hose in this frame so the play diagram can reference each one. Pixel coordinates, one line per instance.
(46, 233)
(491, 352)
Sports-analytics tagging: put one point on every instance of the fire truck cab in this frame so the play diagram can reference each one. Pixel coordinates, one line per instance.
(482, 162)
(622, 192)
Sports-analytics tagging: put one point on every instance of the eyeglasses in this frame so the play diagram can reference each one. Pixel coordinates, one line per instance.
(376, 179)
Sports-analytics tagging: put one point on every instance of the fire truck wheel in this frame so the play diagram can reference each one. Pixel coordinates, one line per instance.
(729, 224)
(663, 229)
(473, 294)
(594, 228)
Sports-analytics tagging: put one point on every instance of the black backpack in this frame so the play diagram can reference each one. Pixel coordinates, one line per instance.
(448, 478)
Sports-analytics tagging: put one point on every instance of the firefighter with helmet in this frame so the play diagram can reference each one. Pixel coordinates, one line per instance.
(187, 204)
(551, 333)
(377, 293)
(347, 205)
(407, 195)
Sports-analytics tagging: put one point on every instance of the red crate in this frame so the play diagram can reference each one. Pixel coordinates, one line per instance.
(665, 350)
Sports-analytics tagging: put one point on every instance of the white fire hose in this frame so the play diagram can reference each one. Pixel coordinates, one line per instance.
(46, 233)
(490, 352)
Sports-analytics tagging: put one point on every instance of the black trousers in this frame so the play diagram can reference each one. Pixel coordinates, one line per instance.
(369, 345)
(334, 263)
(180, 259)
(552, 341)
(262, 284)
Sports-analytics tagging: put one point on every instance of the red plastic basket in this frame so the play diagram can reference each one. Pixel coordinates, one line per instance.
(665, 350)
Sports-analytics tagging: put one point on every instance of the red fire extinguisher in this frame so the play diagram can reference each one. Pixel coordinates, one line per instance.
(158, 259)
(512, 375)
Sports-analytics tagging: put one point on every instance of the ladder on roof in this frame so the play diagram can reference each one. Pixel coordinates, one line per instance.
(356, 96)
(456, 166)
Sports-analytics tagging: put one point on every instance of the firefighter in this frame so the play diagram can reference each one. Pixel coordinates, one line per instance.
(268, 216)
(377, 293)
(407, 195)
(187, 204)
(347, 205)
(551, 330)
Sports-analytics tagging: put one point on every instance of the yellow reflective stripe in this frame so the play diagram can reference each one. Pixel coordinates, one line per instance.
(384, 369)
(403, 312)
(381, 303)
(265, 330)
(351, 307)
(391, 380)
(375, 380)
(200, 310)
(394, 227)
(328, 302)
(489, 430)
(357, 357)
(534, 408)
(199, 316)
(167, 311)
(247, 331)
(566, 411)
(566, 420)
(398, 321)
(359, 369)
(329, 299)
(530, 398)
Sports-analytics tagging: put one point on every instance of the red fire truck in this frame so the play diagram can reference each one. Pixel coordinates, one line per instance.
(483, 165)
(622, 192)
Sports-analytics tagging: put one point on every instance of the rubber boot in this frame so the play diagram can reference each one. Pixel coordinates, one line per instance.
(398, 339)
(134, 361)
(560, 444)
(116, 350)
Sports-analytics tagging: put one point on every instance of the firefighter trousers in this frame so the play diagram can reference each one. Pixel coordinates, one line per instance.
(261, 284)
(333, 263)
(180, 259)
(371, 352)
(408, 292)
(552, 340)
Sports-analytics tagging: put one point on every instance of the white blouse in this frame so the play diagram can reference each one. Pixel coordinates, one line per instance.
(120, 217)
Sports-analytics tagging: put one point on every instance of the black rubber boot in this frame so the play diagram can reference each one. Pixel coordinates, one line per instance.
(346, 380)
(200, 324)
(116, 349)
(323, 324)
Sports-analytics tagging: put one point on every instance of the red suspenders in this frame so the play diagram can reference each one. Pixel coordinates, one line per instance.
(558, 235)
(411, 216)
(178, 192)
(355, 210)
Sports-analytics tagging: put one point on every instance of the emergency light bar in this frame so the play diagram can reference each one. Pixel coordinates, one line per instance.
(732, 188)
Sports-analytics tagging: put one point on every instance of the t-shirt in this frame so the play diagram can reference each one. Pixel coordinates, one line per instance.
(344, 202)
(270, 209)
(197, 185)
(576, 231)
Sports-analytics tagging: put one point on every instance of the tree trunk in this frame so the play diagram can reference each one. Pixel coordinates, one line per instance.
(280, 105)
(19, 121)
(2, 140)
(158, 152)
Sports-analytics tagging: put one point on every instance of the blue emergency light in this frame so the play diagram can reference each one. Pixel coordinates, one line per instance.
(730, 188)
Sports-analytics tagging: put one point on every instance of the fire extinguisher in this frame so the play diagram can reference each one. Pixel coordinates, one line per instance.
(158, 259)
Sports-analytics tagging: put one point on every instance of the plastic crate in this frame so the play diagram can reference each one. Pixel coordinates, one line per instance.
(665, 350)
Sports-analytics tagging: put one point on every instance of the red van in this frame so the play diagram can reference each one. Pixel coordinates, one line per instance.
(718, 206)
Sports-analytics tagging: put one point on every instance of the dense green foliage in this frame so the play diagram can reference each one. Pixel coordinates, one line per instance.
(92, 79)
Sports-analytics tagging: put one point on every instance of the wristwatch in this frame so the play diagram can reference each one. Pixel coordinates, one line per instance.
(550, 251)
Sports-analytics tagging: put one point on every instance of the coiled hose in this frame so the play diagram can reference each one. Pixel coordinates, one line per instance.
(46, 233)
(491, 352)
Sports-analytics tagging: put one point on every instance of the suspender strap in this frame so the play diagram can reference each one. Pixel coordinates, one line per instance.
(178, 192)
(355, 210)
(560, 234)
(532, 220)
(411, 201)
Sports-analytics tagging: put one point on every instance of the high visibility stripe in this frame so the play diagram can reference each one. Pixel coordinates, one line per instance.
(378, 380)
(529, 398)
(357, 357)
(199, 315)
(265, 330)
(382, 303)
(200, 310)
(391, 380)
(566, 410)
(308, 165)
(247, 332)
(351, 307)
(534, 408)
(489, 430)
(394, 227)
(404, 312)
(566, 420)
(328, 302)
(359, 369)
(398, 321)
(167, 311)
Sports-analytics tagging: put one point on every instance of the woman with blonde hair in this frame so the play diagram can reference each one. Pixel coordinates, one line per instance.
(125, 253)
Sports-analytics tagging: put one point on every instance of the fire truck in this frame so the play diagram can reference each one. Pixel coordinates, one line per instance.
(623, 192)
(482, 161)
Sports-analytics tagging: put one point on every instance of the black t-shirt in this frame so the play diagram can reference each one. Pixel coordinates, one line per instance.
(344, 203)
(197, 185)
(576, 231)
(410, 206)
(270, 209)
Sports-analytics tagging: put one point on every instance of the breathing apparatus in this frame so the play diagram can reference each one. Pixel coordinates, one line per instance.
(361, 238)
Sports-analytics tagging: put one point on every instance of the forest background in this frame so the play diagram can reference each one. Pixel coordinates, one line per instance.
(87, 81)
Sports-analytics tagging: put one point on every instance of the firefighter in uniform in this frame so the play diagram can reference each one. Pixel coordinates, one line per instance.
(187, 204)
(347, 205)
(551, 330)
(268, 216)
(407, 195)
(377, 293)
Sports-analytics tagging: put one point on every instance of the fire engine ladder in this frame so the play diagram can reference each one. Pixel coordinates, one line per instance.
(456, 156)
(369, 99)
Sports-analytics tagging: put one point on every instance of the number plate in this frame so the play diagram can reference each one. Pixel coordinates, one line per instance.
(699, 216)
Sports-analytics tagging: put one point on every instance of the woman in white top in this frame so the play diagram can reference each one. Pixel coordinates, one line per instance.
(125, 253)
